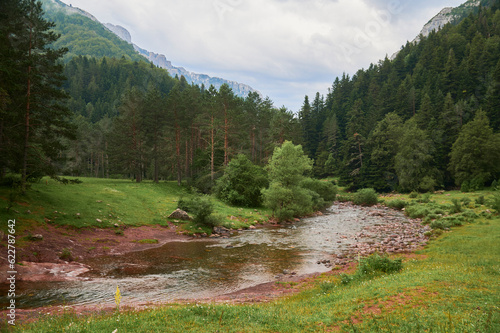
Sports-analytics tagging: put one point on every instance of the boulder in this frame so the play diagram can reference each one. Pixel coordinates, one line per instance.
(179, 214)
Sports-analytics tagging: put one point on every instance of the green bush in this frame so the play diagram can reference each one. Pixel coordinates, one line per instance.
(241, 183)
(378, 263)
(457, 206)
(494, 185)
(288, 202)
(417, 211)
(397, 204)
(66, 255)
(326, 190)
(372, 265)
(201, 207)
(365, 197)
(495, 203)
(465, 187)
(480, 200)
(413, 195)
(465, 201)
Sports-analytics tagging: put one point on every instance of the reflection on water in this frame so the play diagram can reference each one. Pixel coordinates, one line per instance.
(204, 268)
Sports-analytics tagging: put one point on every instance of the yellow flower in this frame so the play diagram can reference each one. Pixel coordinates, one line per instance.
(118, 296)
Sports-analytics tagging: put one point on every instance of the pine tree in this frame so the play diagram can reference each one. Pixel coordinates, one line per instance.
(32, 83)
(475, 155)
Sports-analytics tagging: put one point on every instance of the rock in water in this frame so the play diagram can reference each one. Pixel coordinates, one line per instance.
(179, 214)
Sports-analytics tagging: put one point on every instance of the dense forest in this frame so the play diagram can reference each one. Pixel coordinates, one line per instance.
(426, 120)
(423, 121)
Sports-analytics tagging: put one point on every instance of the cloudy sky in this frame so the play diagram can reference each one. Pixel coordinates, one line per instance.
(286, 49)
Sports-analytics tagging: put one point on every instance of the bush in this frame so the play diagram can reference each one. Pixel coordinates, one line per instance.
(372, 265)
(201, 207)
(480, 200)
(495, 203)
(494, 185)
(241, 183)
(326, 190)
(465, 187)
(288, 202)
(378, 263)
(66, 255)
(397, 204)
(457, 206)
(413, 195)
(365, 197)
(417, 211)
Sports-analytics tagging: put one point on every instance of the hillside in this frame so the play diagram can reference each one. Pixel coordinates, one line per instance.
(433, 89)
(84, 35)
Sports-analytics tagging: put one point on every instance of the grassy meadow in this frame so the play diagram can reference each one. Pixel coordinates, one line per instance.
(106, 202)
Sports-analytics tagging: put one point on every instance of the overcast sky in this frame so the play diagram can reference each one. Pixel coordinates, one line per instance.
(286, 49)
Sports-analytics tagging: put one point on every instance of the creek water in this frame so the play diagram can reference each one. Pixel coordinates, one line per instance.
(206, 268)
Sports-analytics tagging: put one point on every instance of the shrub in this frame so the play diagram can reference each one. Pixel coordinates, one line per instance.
(288, 202)
(465, 201)
(426, 198)
(494, 185)
(495, 203)
(417, 211)
(457, 206)
(241, 183)
(465, 187)
(480, 200)
(326, 190)
(66, 255)
(201, 207)
(397, 204)
(365, 197)
(413, 195)
(378, 263)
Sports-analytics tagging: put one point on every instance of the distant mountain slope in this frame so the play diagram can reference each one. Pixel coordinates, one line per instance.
(84, 35)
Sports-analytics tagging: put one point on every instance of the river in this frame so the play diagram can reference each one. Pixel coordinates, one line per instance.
(213, 267)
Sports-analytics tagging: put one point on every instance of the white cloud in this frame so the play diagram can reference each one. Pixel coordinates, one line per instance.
(284, 48)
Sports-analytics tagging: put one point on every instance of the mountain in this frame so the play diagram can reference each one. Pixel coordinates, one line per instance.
(445, 16)
(448, 15)
(84, 35)
(160, 60)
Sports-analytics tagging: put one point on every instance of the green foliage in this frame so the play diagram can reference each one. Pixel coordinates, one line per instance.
(241, 183)
(34, 116)
(377, 263)
(397, 204)
(456, 207)
(414, 160)
(201, 207)
(288, 165)
(285, 197)
(373, 265)
(495, 202)
(365, 197)
(287, 202)
(66, 255)
(475, 153)
(326, 190)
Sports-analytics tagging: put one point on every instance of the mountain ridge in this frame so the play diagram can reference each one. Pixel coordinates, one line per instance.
(160, 60)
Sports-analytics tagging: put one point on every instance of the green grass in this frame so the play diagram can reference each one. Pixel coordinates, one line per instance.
(451, 286)
(106, 202)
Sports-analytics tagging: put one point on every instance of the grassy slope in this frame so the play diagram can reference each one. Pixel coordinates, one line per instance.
(111, 201)
(451, 286)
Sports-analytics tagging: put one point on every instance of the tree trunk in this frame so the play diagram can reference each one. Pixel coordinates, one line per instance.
(27, 119)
